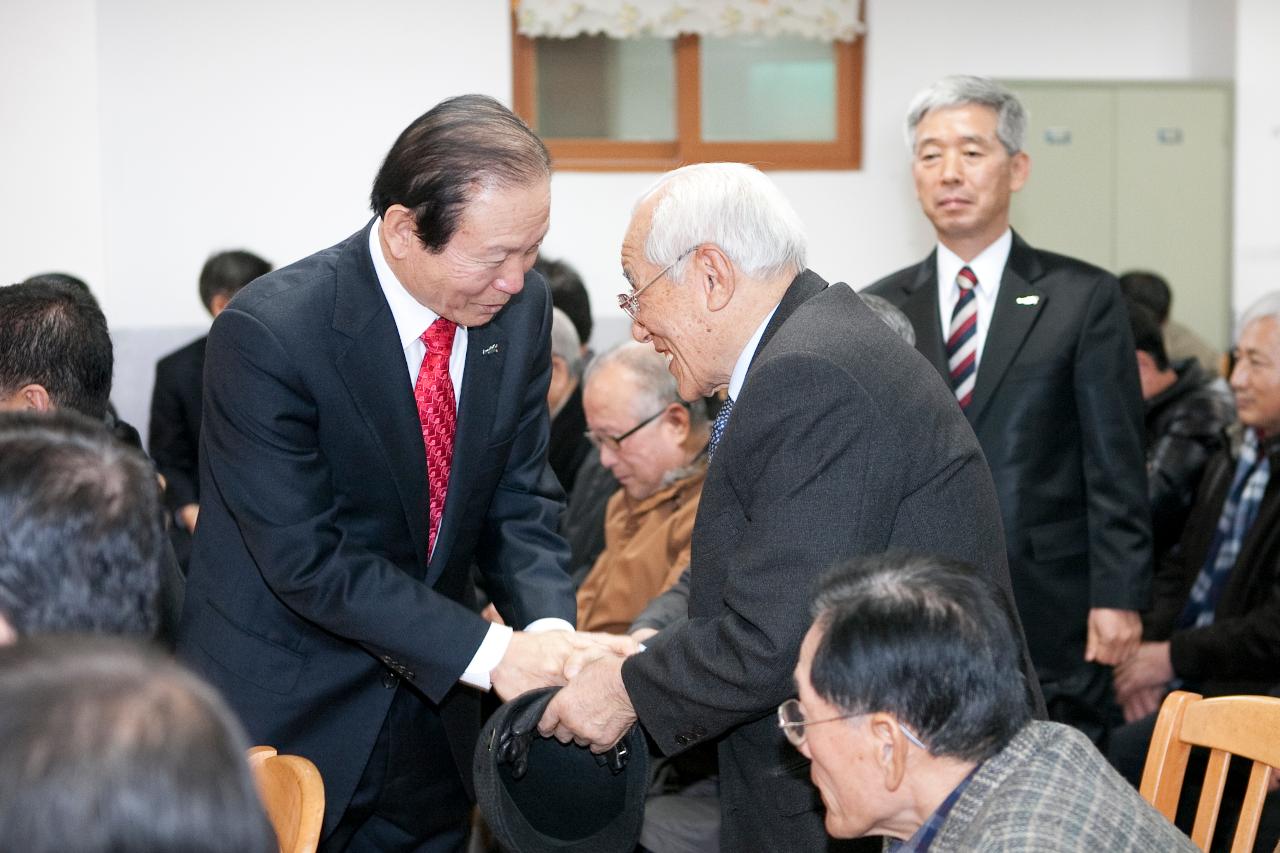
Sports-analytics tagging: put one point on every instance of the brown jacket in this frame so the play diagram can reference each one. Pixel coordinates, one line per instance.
(646, 547)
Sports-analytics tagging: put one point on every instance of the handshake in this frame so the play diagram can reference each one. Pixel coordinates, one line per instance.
(551, 658)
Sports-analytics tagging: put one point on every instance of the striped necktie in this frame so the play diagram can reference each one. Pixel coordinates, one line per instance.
(962, 340)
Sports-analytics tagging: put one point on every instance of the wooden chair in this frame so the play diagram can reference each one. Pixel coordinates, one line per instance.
(293, 794)
(1247, 726)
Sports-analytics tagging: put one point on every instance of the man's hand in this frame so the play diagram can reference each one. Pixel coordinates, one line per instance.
(188, 515)
(1150, 667)
(491, 614)
(1113, 635)
(642, 634)
(548, 658)
(603, 644)
(594, 710)
(1141, 703)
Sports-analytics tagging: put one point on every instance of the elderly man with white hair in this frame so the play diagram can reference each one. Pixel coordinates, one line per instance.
(836, 439)
(1214, 625)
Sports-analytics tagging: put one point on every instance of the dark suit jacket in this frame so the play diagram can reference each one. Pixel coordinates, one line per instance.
(1058, 411)
(569, 445)
(174, 435)
(1240, 651)
(310, 589)
(842, 442)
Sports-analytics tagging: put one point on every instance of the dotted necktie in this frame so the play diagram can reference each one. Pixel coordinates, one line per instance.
(962, 342)
(717, 428)
(437, 410)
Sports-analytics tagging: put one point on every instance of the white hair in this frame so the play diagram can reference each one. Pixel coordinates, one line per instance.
(1262, 308)
(655, 387)
(731, 205)
(565, 342)
(961, 90)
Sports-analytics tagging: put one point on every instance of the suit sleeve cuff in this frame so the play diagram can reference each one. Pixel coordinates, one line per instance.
(488, 656)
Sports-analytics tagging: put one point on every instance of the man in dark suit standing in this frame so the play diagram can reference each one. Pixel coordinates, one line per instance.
(1038, 351)
(173, 436)
(837, 439)
(375, 420)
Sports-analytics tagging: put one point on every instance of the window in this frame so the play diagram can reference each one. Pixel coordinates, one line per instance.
(648, 98)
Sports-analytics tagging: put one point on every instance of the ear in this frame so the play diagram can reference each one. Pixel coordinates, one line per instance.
(891, 749)
(717, 275)
(399, 231)
(34, 397)
(218, 303)
(1146, 360)
(1021, 170)
(8, 636)
(678, 418)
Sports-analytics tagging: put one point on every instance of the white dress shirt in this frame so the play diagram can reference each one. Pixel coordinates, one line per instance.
(412, 318)
(739, 375)
(988, 266)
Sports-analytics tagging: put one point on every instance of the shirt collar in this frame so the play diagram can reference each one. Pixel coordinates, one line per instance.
(412, 318)
(988, 266)
(739, 375)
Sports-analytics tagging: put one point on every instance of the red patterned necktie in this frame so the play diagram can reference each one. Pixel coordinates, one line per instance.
(438, 413)
(962, 342)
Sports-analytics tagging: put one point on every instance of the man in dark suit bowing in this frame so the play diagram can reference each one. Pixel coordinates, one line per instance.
(1038, 351)
(375, 420)
(836, 439)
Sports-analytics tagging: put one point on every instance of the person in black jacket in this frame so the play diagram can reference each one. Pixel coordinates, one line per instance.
(174, 434)
(1187, 410)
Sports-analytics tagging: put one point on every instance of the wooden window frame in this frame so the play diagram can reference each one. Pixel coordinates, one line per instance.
(606, 155)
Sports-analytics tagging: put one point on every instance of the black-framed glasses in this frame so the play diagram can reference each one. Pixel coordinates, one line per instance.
(630, 302)
(613, 442)
(793, 723)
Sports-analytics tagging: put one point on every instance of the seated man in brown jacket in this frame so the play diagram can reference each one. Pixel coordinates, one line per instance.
(653, 442)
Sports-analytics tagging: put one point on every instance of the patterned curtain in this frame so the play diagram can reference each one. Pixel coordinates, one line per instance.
(824, 20)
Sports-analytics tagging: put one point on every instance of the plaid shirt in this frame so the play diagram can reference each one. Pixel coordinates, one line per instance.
(924, 836)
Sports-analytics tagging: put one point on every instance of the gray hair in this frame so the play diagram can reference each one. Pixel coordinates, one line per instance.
(892, 316)
(655, 386)
(1262, 308)
(961, 90)
(731, 205)
(565, 342)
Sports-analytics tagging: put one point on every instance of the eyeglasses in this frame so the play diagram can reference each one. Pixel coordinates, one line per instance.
(614, 441)
(792, 722)
(630, 302)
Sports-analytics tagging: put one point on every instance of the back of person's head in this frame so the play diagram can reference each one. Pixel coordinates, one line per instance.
(565, 344)
(55, 336)
(568, 293)
(108, 748)
(892, 316)
(81, 540)
(652, 386)
(730, 205)
(926, 640)
(457, 148)
(1147, 289)
(226, 272)
(58, 278)
(961, 90)
(1147, 334)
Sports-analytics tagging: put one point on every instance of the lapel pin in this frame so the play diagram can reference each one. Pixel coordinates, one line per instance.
(490, 349)
(1028, 300)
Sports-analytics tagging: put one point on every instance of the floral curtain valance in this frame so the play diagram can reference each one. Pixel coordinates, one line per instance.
(824, 20)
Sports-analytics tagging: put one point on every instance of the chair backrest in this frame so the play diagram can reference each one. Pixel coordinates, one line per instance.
(293, 795)
(1247, 726)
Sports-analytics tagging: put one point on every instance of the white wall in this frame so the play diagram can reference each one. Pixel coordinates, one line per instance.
(140, 135)
(1257, 184)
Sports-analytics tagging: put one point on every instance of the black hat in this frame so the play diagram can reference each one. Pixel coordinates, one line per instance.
(538, 794)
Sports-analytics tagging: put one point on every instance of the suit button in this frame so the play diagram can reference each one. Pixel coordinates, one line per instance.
(389, 680)
(682, 740)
